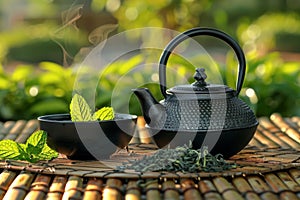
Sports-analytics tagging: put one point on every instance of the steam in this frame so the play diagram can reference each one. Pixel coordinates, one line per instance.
(97, 36)
(69, 26)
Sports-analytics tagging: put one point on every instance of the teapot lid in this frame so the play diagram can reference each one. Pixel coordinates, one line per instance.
(201, 87)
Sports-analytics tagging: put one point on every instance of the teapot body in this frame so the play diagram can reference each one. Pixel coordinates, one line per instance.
(201, 113)
(206, 114)
(225, 125)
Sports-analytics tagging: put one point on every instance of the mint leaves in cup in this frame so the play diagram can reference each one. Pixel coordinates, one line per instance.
(81, 111)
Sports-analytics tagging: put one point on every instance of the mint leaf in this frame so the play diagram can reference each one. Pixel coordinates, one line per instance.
(36, 142)
(35, 149)
(105, 113)
(47, 153)
(10, 150)
(79, 109)
(23, 154)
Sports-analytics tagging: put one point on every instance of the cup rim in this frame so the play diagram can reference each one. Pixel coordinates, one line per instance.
(60, 118)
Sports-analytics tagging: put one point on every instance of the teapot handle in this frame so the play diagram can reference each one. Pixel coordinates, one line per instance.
(195, 32)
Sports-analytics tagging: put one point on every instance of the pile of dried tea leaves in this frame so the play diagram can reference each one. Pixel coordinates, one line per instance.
(181, 159)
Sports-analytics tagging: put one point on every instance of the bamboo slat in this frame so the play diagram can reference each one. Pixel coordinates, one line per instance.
(289, 181)
(261, 187)
(169, 190)
(255, 142)
(15, 130)
(287, 195)
(251, 196)
(39, 188)
(113, 190)
(292, 129)
(271, 140)
(259, 135)
(19, 187)
(152, 190)
(57, 187)
(143, 133)
(93, 189)
(31, 126)
(242, 185)
(208, 190)
(226, 189)
(222, 184)
(73, 189)
(291, 136)
(269, 196)
(190, 189)
(132, 191)
(295, 173)
(258, 184)
(6, 128)
(295, 121)
(275, 183)
(6, 178)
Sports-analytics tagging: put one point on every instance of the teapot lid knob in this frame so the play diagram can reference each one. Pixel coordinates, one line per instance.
(200, 77)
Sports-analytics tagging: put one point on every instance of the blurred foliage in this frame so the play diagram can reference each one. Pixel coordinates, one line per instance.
(263, 35)
(271, 85)
(48, 34)
(276, 84)
(29, 91)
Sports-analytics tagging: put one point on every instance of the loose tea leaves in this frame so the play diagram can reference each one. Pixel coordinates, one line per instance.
(180, 159)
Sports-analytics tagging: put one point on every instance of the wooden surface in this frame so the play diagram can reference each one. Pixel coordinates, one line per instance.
(269, 168)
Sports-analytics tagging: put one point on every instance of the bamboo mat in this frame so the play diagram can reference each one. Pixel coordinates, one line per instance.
(275, 146)
(268, 168)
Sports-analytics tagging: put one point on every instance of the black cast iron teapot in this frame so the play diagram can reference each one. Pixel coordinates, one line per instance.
(207, 114)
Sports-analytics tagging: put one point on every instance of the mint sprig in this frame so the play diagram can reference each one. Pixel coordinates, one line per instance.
(35, 149)
(10, 150)
(105, 113)
(80, 111)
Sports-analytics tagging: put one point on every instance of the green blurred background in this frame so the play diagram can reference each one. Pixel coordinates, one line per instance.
(42, 40)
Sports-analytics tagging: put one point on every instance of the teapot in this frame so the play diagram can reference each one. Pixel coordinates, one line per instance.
(206, 114)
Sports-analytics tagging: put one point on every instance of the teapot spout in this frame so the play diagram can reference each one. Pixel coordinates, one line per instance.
(153, 111)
